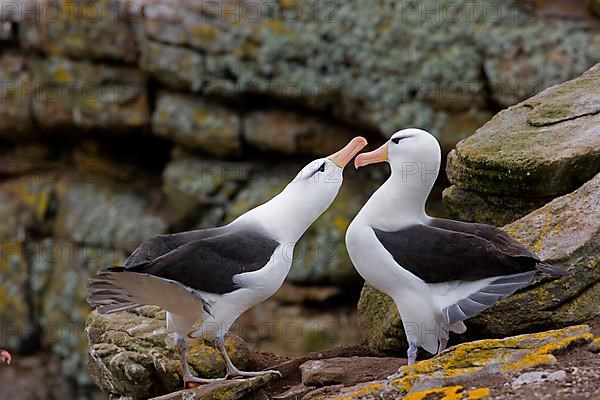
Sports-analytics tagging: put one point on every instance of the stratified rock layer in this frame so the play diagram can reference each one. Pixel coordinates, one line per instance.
(540, 148)
(566, 233)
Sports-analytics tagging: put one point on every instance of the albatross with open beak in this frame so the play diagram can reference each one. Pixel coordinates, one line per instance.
(439, 272)
(214, 275)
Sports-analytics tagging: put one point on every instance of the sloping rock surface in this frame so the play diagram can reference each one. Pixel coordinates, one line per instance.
(542, 147)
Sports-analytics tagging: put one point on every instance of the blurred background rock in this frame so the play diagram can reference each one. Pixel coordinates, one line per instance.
(120, 120)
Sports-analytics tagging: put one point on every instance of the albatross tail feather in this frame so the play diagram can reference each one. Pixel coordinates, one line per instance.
(550, 270)
(117, 289)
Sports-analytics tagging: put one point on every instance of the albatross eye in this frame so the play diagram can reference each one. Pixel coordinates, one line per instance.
(396, 140)
(322, 168)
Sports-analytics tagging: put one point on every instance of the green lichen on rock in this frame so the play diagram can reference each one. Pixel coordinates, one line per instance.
(129, 357)
(194, 184)
(497, 210)
(384, 66)
(67, 28)
(464, 362)
(566, 233)
(106, 215)
(292, 133)
(197, 124)
(533, 148)
(82, 94)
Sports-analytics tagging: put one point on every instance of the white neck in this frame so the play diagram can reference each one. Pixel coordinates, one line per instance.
(399, 202)
(286, 217)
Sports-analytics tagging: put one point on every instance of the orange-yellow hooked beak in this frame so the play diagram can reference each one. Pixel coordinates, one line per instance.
(372, 157)
(343, 157)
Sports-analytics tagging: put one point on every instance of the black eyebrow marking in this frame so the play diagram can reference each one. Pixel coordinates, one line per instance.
(320, 169)
(396, 140)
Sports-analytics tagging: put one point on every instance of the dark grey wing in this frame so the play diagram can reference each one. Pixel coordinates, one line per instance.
(163, 244)
(498, 237)
(210, 264)
(440, 255)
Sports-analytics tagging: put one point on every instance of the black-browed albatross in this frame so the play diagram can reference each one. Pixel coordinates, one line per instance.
(439, 272)
(214, 275)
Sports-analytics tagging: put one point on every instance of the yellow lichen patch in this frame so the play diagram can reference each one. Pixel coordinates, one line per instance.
(35, 197)
(596, 340)
(543, 355)
(476, 394)
(509, 354)
(62, 75)
(205, 32)
(537, 247)
(365, 390)
(448, 393)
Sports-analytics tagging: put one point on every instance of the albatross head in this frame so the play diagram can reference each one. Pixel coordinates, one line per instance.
(410, 152)
(308, 195)
(414, 156)
(317, 184)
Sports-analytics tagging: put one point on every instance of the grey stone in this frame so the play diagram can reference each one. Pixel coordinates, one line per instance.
(197, 124)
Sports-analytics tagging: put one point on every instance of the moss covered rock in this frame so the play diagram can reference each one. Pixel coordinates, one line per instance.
(132, 356)
(195, 185)
(293, 133)
(443, 376)
(67, 28)
(493, 209)
(544, 146)
(197, 124)
(104, 214)
(566, 233)
(80, 94)
(384, 65)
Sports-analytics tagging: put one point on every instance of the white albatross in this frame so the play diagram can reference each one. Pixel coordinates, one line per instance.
(212, 276)
(439, 272)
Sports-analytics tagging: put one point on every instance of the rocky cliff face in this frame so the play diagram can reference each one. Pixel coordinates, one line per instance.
(120, 120)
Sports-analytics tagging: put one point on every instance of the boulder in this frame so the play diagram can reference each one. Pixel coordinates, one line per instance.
(129, 357)
(566, 233)
(101, 213)
(194, 185)
(175, 67)
(347, 370)
(79, 94)
(536, 150)
(197, 124)
(293, 133)
(493, 209)
(67, 28)
(455, 370)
